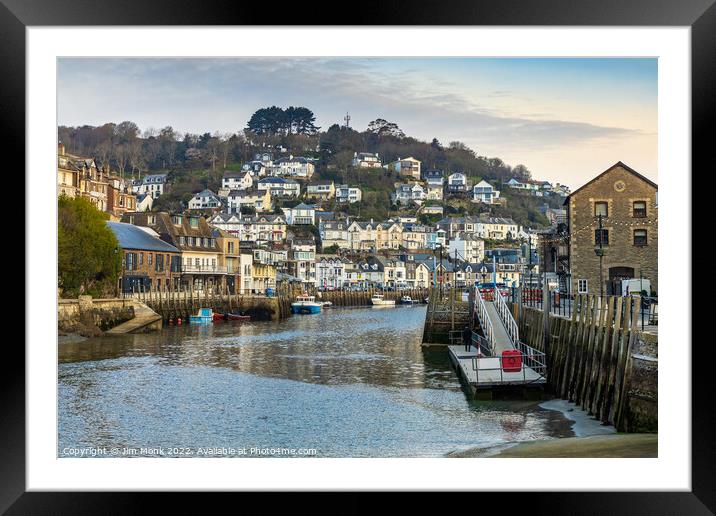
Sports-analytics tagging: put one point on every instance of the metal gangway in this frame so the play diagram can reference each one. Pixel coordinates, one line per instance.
(483, 365)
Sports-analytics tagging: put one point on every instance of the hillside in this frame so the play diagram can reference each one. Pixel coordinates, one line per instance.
(195, 162)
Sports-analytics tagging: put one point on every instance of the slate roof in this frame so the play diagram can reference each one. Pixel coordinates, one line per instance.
(133, 237)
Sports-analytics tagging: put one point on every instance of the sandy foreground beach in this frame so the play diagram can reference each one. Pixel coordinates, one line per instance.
(591, 440)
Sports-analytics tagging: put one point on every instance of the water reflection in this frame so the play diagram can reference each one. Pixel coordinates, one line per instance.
(350, 382)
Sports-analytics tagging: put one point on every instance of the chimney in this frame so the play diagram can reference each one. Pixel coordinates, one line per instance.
(61, 149)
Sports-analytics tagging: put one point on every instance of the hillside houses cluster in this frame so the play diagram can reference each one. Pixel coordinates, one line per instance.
(217, 244)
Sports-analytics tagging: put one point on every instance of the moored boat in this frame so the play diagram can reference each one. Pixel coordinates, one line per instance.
(327, 304)
(406, 300)
(378, 300)
(205, 315)
(228, 316)
(305, 305)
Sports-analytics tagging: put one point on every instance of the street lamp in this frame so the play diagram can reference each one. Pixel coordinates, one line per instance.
(483, 273)
(599, 251)
(116, 285)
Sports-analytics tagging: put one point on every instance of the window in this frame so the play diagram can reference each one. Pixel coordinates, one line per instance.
(639, 208)
(149, 258)
(601, 236)
(640, 237)
(582, 286)
(601, 208)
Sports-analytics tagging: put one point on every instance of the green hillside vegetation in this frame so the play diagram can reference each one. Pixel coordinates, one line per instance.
(195, 162)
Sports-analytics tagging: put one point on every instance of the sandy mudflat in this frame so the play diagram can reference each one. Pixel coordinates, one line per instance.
(594, 446)
(591, 439)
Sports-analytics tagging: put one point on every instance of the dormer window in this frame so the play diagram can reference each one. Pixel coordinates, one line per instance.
(176, 219)
(194, 222)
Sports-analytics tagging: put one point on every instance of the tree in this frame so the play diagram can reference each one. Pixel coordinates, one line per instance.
(126, 131)
(276, 121)
(522, 172)
(88, 253)
(120, 153)
(381, 127)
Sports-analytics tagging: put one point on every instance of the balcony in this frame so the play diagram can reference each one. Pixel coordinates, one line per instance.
(203, 269)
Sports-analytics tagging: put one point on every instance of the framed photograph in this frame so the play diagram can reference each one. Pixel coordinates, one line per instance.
(380, 256)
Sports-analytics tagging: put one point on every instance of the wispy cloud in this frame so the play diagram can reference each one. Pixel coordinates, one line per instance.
(199, 95)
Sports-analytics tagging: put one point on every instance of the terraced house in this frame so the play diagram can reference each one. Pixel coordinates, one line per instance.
(260, 229)
(334, 232)
(330, 272)
(195, 239)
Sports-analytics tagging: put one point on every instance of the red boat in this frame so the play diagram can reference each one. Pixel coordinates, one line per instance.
(230, 317)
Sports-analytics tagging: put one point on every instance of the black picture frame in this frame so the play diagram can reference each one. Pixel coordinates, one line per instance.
(700, 15)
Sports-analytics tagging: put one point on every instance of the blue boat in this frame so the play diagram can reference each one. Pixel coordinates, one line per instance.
(204, 316)
(305, 305)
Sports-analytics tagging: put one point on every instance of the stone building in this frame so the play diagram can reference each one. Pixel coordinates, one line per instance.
(628, 205)
(148, 262)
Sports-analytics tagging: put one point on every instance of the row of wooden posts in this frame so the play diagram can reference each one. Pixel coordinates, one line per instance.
(446, 312)
(172, 304)
(589, 356)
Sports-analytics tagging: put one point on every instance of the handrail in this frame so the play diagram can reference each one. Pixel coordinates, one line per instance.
(504, 312)
(482, 316)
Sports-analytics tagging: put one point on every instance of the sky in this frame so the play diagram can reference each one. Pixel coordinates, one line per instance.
(566, 119)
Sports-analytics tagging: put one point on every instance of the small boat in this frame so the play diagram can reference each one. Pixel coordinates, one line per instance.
(406, 300)
(306, 305)
(377, 300)
(326, 304)
(205, 315)
(228, 316)
(237, 317)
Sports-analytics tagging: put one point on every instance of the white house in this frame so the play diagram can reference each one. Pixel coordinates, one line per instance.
(528, 185)
(293, 167)
(485, 193)
(144, 202)
(457, 182)
(497, 228)
(405, 193)
(406, 167)
(434, 192)
(366, 160)
(330, 272)
(205, 200)
(467, 247)
(301, 214)
(237, 180)
(152, 184)
(260, 228)
(334, 233)
(302, 260)
(349, 194)
(280, 186)
(433, 177)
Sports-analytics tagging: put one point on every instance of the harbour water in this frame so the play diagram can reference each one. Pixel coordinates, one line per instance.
(349, 382)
